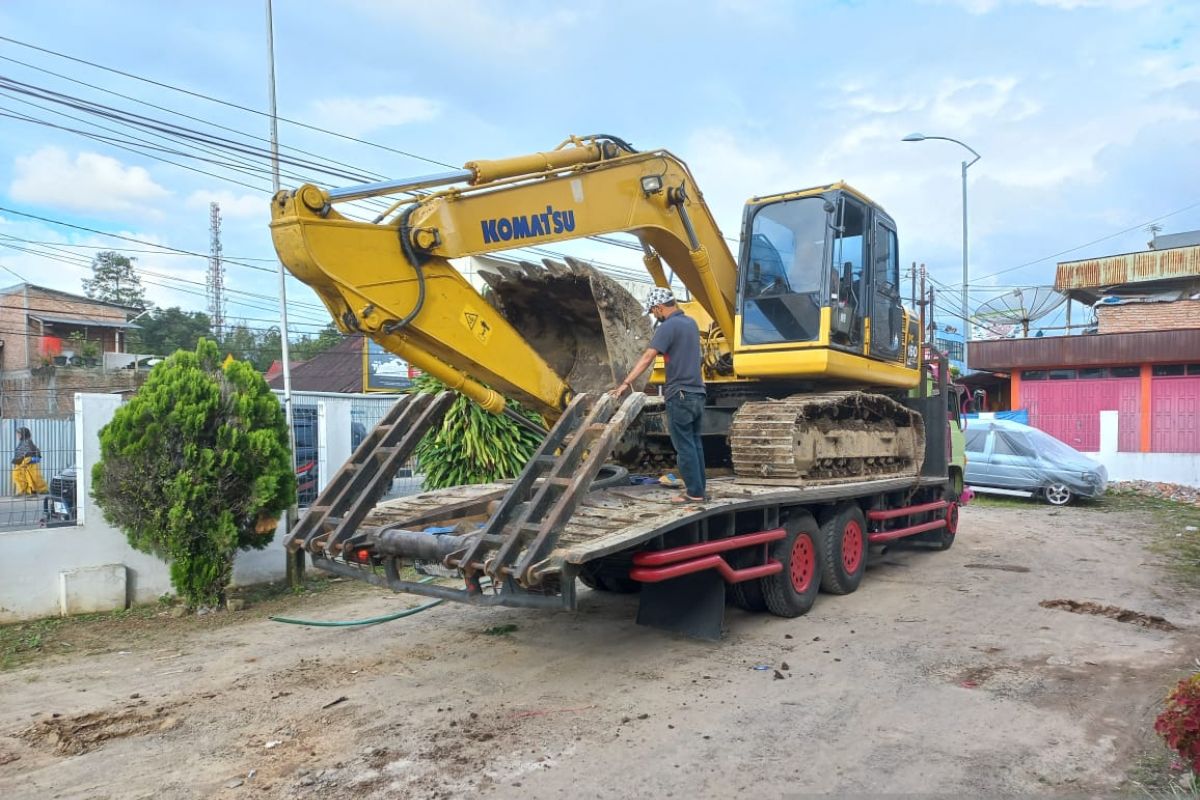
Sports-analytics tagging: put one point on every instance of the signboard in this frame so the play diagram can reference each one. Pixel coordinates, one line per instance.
(384, 371)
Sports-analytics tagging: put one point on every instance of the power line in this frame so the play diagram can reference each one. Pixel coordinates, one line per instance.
(220, 101)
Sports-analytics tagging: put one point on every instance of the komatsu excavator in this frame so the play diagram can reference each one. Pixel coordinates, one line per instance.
(815, 399)
(807, 348)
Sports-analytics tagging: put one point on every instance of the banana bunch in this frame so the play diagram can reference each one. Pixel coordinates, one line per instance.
(471, 445)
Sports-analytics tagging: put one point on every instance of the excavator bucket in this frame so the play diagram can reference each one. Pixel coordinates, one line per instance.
(586, 326)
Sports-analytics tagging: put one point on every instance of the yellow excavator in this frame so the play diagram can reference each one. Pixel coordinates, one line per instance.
(807, 348)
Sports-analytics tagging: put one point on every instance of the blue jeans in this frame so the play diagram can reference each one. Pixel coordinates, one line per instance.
(685, 411)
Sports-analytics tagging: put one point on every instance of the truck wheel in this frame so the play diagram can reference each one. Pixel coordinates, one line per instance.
(748, 595)
(603, 577)
(945, 538)
(793, 591)
(843, 548)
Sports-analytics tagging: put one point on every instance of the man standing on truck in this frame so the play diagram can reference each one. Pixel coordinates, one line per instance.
(677, 340)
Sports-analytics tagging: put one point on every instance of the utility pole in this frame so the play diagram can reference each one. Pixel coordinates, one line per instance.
(295, 561)
(216, 273)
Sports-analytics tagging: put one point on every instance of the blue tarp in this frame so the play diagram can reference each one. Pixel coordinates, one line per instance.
(1021, 415)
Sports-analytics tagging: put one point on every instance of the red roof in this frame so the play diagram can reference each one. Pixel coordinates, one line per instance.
(338, 369)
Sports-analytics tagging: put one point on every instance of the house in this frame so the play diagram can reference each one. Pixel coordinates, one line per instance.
(1143, 362)
(43, 327)
(54, 344)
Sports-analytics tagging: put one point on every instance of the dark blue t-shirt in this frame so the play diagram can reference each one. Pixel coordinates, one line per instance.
(677, 339)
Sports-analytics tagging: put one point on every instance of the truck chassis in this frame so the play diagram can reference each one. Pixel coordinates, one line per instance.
(524, 543)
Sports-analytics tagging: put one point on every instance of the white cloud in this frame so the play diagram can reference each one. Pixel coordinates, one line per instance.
(486, 28)
(958, 103)
(232, 205)
(360, 115)
(88, 182)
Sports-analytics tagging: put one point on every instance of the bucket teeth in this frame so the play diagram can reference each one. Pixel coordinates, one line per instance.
(587, 327)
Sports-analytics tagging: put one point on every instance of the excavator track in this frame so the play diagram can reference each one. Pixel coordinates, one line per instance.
(832, 437)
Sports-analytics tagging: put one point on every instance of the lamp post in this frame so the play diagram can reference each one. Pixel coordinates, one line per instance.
(920, 137)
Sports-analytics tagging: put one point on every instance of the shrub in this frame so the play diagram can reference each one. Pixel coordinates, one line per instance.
(472, 445)
(1179, 722)
(195, 467)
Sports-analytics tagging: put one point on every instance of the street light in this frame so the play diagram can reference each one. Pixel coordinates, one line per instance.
(920, 137)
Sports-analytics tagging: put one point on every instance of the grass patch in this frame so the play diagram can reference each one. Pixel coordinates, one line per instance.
(500, 630)
(1179, 547)
(151, 625)
(1152, 776)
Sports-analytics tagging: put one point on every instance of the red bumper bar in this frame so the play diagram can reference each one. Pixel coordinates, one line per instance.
(900, 533)
(663, 565)
(892, 513)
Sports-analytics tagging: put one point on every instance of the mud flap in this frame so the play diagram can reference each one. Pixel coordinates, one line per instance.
(693, 605)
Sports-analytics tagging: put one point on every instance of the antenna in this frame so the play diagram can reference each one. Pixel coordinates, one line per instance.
(215, 288)
(1153, 229)
(1021, 306)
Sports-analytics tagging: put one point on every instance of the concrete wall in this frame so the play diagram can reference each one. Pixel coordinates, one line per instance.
(1180, 468)
(42, 566)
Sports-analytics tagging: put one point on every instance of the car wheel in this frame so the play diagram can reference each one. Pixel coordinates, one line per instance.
(1057, 494)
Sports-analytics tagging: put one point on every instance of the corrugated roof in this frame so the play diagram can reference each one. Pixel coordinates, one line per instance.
(83, 322)
(1149, 265)
(1093, 350)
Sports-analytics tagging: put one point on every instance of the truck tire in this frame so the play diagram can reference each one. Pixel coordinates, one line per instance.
(946, 535)
(842, 544)
(793, 591)
(606, 577)
(748, 595)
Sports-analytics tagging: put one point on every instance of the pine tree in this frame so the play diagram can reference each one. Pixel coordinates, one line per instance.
(115, 281)
(195, 467)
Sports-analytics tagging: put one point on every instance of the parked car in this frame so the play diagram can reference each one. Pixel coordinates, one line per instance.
(1009, 457)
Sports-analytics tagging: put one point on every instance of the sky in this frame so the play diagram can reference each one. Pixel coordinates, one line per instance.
(1086, 114)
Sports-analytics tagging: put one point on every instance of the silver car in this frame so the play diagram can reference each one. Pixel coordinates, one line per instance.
(1011, 458)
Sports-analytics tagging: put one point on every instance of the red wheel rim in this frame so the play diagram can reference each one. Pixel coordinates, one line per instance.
(952, 518)
(852, 546)
(803, 563)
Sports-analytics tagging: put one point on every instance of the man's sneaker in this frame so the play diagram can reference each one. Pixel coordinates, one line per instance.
(671, 480)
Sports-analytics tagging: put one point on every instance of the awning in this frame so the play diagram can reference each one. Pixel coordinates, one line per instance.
(82, 322)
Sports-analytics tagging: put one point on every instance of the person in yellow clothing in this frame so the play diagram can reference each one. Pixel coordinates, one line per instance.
(26, 474)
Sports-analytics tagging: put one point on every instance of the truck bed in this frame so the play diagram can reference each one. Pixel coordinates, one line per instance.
(618, 518)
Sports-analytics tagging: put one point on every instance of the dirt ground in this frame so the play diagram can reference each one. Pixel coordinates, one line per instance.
(942, 674)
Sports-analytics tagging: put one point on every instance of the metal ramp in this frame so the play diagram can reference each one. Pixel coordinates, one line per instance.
(523, 530)
(349, 497)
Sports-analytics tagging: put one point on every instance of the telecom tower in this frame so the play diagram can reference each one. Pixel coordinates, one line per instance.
(216, 273)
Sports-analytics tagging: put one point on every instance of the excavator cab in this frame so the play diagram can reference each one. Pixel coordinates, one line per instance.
(819, 271)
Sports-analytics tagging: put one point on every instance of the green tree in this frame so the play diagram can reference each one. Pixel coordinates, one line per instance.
(195, 467)
(307, 347)
(473, 445)
(165, 330)
(259, 347)
(114, 281)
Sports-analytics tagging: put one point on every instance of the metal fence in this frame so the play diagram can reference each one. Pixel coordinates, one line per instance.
(54, 501)
(366, 411)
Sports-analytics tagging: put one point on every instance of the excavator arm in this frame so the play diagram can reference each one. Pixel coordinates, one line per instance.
(392, 279)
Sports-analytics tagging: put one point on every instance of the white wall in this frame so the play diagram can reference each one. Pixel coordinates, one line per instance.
(1181, 468)
(31, 561)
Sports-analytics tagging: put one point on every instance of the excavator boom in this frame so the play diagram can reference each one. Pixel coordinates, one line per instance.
(392, 278)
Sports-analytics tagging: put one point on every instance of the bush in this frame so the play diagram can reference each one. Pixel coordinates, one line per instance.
(1179, 722)
(472, 445)
(195, 467)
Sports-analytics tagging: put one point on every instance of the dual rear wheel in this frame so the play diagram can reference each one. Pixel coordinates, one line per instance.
(831, 555)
